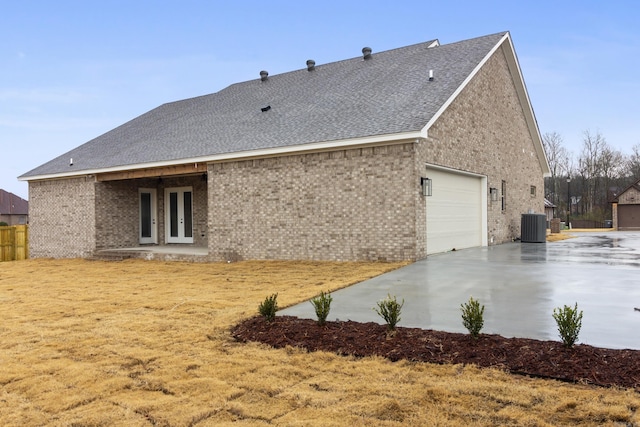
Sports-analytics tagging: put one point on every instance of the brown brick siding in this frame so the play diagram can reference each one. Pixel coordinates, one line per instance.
(484, 131)
(116, 214)
(629, 197)
(62, 218)
(355, 204)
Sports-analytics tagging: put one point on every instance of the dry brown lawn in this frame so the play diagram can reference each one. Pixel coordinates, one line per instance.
(142, 343)
(556, 237)
(569, 234)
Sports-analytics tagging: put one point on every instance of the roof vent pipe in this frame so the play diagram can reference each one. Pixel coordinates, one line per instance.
(311, 65)
(430, 75)
(366, 52)
(264, 75)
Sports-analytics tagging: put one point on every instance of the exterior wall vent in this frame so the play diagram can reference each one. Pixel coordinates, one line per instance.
(366, 53)
(264, 75)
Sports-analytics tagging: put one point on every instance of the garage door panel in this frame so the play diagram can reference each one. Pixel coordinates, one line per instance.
(629, 217)
(454, 211)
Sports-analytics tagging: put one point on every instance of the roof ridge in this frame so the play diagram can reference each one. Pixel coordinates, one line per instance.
(339, 61)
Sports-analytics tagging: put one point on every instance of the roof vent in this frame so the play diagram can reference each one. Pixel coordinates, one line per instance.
(265, 109)
(264, 75)
(311, 65)
(366, 52)
(430, 75)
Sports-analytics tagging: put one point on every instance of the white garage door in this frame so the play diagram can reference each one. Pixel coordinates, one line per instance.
(454, 211)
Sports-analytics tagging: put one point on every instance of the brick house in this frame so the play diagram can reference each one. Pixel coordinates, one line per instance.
(14, 210)
(386, 156)
(626, 208)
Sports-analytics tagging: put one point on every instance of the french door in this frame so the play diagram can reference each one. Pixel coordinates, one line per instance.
(148, 212)
(178, 207)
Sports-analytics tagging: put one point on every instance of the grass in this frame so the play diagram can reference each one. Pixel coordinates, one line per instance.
(142, 343)
(566, 234)
(556, 237)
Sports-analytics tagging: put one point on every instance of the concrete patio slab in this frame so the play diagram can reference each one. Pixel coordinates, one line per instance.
(519, 283)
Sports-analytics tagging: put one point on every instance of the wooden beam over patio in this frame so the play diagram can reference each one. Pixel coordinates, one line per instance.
(186, 169)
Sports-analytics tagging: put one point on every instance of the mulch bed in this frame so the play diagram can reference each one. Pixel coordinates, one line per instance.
(545, 359)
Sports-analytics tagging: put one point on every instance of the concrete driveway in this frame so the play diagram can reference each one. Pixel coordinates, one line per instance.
(519, 283)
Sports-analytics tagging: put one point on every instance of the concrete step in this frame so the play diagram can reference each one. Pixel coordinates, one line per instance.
(110, 256)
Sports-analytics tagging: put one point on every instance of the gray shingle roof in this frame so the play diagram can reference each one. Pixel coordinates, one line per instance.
(387, 94)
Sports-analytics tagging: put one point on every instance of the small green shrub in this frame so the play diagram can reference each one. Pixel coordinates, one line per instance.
(322, 305)
(569, 322)
(269, 307)
(389, 309)
(472, 316)
(3, 224)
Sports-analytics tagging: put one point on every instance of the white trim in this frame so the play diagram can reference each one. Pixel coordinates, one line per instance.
(523, 96)
(483, 196)
(154, 217)
(181, 237)
(530, 117)
(464, 84)
(265, 152)
(453, 170)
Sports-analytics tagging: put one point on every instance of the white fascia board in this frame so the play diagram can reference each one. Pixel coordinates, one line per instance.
(460, 88)
(266, 152)
(455, 171)
(523, 94)
(512, 62)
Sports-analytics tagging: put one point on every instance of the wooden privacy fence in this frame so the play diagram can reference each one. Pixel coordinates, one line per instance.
(14, 242)
(587, 223)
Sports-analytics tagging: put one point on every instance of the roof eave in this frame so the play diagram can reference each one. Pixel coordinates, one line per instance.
(243, 155)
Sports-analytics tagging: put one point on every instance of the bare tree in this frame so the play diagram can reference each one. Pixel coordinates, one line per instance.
(611, 175)
(559, 164)
(632, 171)
(596, 174)
(589, 168)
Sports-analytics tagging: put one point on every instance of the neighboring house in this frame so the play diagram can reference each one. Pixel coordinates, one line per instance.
(549, 209)
(626, 208)
(329, 162)
(14, 210)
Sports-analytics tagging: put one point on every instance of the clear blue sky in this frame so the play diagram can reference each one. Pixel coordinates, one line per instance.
(72, 70)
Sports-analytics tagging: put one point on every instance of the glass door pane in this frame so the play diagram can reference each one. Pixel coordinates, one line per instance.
(145, 215)
(173, 214)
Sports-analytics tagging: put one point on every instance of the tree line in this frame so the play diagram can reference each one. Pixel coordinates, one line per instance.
(584, 184)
